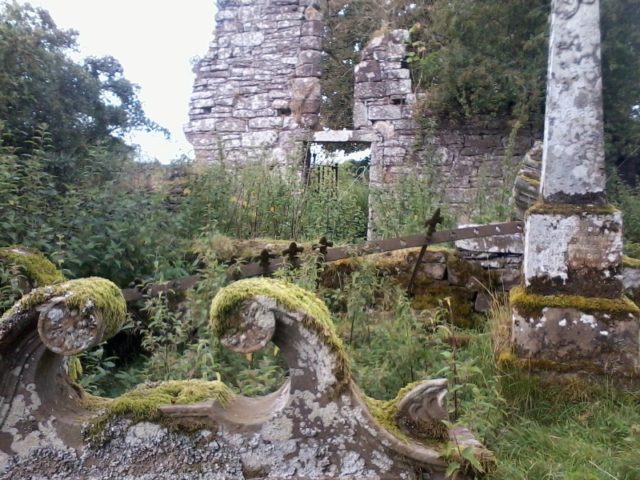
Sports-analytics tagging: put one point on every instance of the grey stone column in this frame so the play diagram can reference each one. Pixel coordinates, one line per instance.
(570, 313)
(573, 155)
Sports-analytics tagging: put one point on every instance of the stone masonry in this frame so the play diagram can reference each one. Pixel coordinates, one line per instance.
(257, 91)
(571, 313)
(257, 96)
(468, 158)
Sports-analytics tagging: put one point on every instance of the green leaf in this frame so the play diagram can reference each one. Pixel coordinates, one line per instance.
(469, 455)
(452, 468)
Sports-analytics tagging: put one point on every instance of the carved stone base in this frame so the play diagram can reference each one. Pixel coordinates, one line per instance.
(574, 250)
(577, 334)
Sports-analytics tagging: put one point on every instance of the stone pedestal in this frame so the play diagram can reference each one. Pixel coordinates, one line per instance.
(573, 250)
(566, 333)
(571, 315)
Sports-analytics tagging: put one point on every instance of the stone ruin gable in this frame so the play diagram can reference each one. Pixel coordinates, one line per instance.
(257, 90)
(468, 157)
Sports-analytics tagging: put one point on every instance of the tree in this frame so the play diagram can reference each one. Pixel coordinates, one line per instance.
(621, 71)
(80, 104)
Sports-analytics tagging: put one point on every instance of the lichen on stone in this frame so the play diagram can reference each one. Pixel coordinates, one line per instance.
(530, 304)
(95, 292)
(288, 296)
(32, 264)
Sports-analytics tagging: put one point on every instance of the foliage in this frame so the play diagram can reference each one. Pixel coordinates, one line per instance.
(264, 201)
(350, 24)
(620, 70)
(133, 231)
(81, 104)
(627, 198)
(483, 57)
(406, 208)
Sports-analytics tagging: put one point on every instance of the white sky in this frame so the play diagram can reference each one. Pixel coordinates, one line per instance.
(154, 41)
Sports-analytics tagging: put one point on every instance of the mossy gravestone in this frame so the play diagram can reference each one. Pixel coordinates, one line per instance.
(571, 315)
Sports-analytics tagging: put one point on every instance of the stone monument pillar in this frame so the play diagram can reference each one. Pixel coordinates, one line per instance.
(570, 314)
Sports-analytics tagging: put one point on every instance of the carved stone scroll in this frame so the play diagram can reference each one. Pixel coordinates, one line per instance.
(317, 425)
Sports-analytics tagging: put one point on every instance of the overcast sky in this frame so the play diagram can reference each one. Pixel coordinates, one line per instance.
(154, 41)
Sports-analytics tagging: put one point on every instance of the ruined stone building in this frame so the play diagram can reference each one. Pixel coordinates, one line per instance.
(257, 97)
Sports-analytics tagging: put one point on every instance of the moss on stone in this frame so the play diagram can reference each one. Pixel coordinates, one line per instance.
(288, 296)
(542, 208)
(575, 380)
(535, 182)
(460, 301)
(630, 262)
(142, 403)
(92, 292)
(384, 413)
(225, 248)
(33, 265)
(529, 304)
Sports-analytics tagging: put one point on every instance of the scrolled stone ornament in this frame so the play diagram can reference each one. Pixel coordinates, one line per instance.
(317, 425)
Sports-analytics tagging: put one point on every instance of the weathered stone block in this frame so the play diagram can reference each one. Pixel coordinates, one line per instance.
(574, 136)
(313, 28)
(385, 112)
(436, 271)
(398, 87)
(311, 43)
(309, 70)
(499, 244)
(365, 90)
(569, 333)
(310, 56)
(265, 122)
(231, 125)
(360, 118)
(247, 39)
(574, 250)
(398, 74)
(259, 139)
(367, 71)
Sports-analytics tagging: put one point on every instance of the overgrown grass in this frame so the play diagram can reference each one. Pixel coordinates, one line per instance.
(537, 426)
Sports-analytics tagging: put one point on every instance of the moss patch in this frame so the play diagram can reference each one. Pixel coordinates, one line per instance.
(289, 296)
(33, 265)
(143, 402)
(535, 182)
(100, 293)
(384, 413)
(571, 209)
(226, 249)
(570, 381)
(460, 300)
(630, 262)
(529, 304)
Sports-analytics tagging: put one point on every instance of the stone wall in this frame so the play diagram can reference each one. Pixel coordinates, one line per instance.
(257, 90)
(257, 95)
(476, 158)
(470, 158)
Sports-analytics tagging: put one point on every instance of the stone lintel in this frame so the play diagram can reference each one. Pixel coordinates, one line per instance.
(345, 136)
(571, 334)
(573, 155)
(574, 250)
